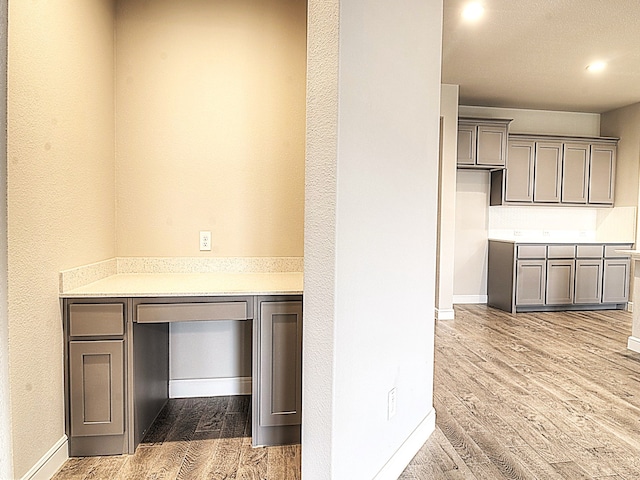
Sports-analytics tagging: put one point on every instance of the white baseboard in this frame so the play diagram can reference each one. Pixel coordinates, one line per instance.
(633, 343)
(630, 307)
(50, 462)
(209, 387)
(399, 461)
(445, 314)
(462, 299)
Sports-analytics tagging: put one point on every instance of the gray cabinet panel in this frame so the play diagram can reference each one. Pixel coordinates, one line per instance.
(615, 283)
(96, 378)
(588, 289)
(192, 312)
(466, 144)
(280, 363)
(560, 282)
(561, 251)
(575, 172)
(95, 319)
(602, 174)
(492, 145)
(519, 172)
(530, 282)
(547, 171)
(532, 251)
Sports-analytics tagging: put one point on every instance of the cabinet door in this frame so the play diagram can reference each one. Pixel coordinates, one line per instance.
(466, 144)
(615, 282)
(280, 363)
(575, 172)
(519, 173)
(547, 171)
(560, 282)
(491, 145)
(588, 289)
(602, 166)
(530, 282)
(96, 381)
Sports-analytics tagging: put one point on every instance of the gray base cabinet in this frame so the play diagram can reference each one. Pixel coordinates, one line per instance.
(539, 277)
(96, 378)
(277, 409)
(117, 366)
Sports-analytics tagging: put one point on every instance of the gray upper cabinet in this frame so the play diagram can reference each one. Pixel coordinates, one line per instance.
(466, 144)
(552, 170)
(519, 173)
(602, 167)
(575, 173)
(482, 143)
(547, 171)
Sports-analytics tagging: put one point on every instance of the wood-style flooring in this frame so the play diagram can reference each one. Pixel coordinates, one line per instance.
(526, 396)
(533, 396)
(194, 438)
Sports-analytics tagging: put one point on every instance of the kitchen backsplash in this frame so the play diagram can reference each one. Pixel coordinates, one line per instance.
(586, 224)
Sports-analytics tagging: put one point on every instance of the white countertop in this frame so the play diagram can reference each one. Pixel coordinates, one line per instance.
(190, 284)
(554, 240)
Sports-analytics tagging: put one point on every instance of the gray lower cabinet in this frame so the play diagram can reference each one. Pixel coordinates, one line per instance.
(588, 281)
(278, 383)
(615, 280)
(95, 378)
(117, 368)
(530, 282)
(537, 277)
(560, 276)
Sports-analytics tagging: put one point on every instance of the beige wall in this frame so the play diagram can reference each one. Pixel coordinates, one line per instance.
(210, 126)
(60, 194)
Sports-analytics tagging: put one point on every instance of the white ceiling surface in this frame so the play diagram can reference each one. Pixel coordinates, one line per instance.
(533, 54)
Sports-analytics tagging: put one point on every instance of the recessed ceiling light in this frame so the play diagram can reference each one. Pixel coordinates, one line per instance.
(596, 66)
(473, 11)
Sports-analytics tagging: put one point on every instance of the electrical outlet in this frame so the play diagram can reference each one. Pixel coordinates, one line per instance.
(517, 233)
(391, 403)
(545, 233)
(205, 241)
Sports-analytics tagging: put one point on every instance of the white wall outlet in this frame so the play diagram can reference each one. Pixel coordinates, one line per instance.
(391, 403)
(545, 233)
(205, 241)
(517, 233)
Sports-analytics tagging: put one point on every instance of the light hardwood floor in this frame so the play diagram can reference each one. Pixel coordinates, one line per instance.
(195, 438)
(526, 396)
(533, 396)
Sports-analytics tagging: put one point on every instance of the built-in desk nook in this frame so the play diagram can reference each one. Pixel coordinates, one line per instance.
(117, 351)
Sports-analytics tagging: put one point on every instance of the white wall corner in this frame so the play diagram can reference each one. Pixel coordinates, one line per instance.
(50, 462)
(399, 461)
(445, 314)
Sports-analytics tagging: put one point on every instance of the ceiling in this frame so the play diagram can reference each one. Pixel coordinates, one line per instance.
(533, 54)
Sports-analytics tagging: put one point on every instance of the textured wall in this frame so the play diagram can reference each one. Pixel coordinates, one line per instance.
(60, 194)
(6, 466)
(370, 230)
(210, 126)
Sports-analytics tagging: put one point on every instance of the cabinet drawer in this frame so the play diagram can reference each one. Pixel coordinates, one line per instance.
(589, 251)
(610, 251)
(96, 319)
(193, 312)
(532, 251)
(561, 251)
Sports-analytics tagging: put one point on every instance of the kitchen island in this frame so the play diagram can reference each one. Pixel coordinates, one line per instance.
(117, 347)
